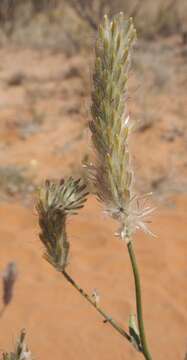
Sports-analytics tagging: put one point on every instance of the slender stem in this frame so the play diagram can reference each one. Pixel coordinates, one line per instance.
(107, 318)
(144, 345)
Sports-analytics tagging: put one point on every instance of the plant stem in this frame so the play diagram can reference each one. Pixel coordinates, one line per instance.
(144, 345)
(107, 318)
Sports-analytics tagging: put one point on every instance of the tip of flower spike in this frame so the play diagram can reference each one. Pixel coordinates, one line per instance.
(64, 195)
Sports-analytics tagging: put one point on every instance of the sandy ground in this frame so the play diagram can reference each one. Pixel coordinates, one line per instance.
(43, 113)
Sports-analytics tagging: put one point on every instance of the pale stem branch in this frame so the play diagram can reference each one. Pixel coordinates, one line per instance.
(107, 317)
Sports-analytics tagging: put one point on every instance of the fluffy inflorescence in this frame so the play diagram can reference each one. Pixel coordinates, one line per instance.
(110, 126)
(56, 201)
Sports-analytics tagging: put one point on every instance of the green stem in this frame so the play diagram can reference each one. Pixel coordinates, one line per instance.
(144, 345)
(107, 318)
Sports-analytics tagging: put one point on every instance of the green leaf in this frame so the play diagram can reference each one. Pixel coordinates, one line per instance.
(134, 333)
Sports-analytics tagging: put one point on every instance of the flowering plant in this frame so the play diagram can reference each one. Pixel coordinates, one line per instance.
(111, 172)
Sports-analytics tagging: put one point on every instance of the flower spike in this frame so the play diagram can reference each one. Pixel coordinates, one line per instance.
(56, 201)
(111, 126)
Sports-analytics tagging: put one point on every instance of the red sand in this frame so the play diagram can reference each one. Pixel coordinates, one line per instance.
(59, 323)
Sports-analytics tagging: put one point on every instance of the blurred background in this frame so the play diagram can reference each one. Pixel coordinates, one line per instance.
(46, 61)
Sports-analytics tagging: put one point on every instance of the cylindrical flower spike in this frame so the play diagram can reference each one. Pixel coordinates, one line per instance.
(112, 174)
(56, 201)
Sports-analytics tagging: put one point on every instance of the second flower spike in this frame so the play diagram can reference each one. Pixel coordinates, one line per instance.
(56, 201)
